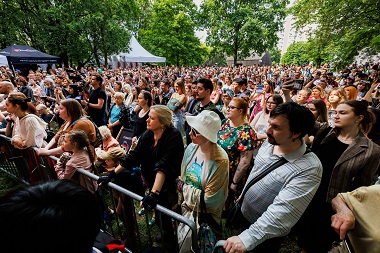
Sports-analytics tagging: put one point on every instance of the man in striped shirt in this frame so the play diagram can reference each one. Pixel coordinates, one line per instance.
(276, 202)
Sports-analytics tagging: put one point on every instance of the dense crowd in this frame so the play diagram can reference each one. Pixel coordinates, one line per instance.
(202, 134)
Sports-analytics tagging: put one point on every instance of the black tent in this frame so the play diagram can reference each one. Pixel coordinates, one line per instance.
(17, 54)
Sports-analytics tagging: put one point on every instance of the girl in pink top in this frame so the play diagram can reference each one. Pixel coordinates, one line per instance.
(76, 146)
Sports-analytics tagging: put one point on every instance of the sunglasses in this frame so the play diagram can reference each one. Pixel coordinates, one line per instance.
(194, 132)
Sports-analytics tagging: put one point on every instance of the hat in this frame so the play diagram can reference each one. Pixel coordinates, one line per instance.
(112, 153)
(207, 123)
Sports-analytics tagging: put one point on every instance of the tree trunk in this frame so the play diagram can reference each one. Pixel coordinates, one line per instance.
(65, 59)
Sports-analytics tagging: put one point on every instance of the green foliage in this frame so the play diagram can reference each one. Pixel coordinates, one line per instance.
(275, 55)
(169, 32)
(75, 30)
(297, 53)
(345, 26)
(239, 27)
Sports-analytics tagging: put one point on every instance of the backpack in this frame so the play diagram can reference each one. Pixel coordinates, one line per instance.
(99, 140)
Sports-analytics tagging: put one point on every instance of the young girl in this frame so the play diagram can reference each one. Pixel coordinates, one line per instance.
(76, 155)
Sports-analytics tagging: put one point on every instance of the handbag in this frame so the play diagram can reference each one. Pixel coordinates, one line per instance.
(184, 232)
(235, 218)
(209, 228)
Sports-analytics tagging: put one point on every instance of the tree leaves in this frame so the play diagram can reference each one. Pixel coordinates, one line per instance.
(237, 28)
(347, 26)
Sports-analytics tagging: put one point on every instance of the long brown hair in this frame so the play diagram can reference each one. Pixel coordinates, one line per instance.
(359, 108)
(74, 109)
(19, 98)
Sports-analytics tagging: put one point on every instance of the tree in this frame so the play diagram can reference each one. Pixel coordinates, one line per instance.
(275, 55)
(238, 27)
(297, 53)
(75, 30)
(169, 32)
(346, 26)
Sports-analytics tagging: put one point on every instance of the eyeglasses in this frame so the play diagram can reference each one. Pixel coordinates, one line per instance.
(230, 107)
(194, 132)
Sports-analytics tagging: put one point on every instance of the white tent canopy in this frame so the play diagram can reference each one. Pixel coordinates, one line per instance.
(3, 60)
(136, 54)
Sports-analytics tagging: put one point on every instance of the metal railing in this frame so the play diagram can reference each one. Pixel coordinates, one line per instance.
(115, 201)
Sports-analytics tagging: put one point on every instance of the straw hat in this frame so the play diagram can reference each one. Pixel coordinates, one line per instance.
(207, 123)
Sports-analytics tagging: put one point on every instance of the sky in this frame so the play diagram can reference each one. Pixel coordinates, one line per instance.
(200, 34)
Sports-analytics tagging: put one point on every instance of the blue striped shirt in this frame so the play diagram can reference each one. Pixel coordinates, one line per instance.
(275, 203)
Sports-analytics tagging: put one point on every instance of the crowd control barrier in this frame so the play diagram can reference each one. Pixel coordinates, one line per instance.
(115, 202)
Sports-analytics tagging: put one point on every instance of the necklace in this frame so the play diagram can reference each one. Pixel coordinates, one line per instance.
(349, 139)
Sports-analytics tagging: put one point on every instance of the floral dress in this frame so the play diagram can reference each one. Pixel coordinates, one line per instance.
(235, 140)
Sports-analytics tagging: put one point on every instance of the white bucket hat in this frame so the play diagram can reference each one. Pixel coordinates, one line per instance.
(207, 123)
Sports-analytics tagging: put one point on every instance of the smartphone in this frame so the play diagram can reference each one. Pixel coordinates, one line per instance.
(297, 84)
(260, 89)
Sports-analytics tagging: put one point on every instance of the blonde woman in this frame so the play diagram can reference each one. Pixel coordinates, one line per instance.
(317, 92)
(114, 124)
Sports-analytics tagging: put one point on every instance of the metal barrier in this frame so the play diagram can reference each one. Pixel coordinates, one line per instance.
(118, 204)
(24, 164)
(107, 197)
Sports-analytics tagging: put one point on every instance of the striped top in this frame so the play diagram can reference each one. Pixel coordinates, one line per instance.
(275, 203)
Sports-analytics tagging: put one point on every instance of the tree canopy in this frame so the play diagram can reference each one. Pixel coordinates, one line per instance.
(169, 32)
(74, 30)
(238, 27)
(346, 27)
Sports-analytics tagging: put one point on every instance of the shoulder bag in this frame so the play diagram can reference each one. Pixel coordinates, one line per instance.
(235, 218)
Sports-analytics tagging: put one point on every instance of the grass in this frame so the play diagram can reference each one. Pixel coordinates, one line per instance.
(8, 183)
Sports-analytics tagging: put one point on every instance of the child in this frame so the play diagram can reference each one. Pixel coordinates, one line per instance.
(124, 207)
(76, 146)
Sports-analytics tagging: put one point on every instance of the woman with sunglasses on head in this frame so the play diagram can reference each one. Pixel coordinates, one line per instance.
(239, 140)
(204, 169)
(349, 160)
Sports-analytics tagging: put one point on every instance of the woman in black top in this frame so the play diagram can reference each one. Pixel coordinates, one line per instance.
(144, 101)
(159, 153)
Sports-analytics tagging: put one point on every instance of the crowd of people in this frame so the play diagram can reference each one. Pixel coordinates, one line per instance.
(202, 134)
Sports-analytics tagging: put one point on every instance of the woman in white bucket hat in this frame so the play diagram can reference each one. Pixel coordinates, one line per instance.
(204, 168)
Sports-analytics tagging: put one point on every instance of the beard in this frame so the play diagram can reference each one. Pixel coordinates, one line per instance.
(271, 139)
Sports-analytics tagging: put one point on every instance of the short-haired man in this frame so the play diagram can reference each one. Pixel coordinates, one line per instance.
(236, 87)
(204, 90)
(189, 109)
(6, 87)
(163, 97)
(244, 91)
(96, 104)
(57, 216)
(276, 202)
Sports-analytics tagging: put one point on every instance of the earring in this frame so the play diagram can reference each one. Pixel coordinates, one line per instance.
(162, 128)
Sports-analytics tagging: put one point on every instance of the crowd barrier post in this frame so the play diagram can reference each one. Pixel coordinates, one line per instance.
(161, 210)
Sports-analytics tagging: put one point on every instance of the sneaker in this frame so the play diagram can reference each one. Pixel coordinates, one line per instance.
(141, 211)
(152, 221)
